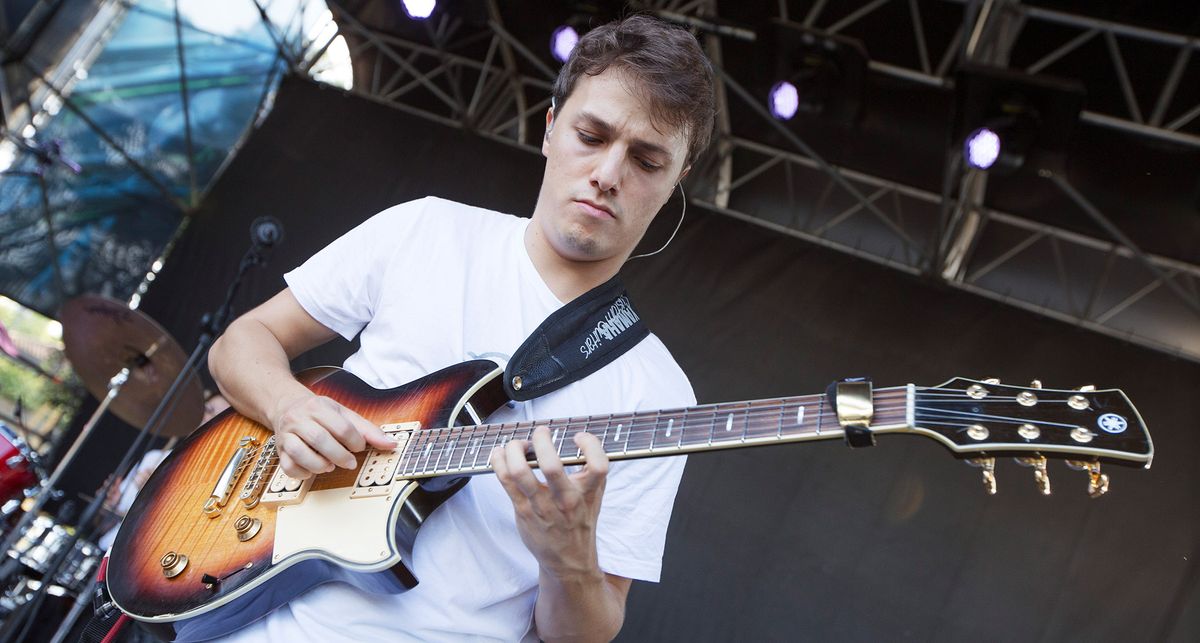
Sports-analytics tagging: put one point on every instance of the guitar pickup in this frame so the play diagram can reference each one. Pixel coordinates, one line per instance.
(284, 489)
(379, 468)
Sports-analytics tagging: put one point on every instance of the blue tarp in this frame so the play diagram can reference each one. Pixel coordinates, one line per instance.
(114, 219)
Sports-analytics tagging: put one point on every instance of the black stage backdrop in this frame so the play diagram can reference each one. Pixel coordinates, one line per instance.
(806, 541)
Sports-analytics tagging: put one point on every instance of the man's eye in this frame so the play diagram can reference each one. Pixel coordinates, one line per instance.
(590, 140)
(648, 166)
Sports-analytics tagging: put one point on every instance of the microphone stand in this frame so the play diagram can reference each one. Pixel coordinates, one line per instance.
(210, 327)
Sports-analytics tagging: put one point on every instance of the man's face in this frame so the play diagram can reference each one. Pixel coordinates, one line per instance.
(608, 170)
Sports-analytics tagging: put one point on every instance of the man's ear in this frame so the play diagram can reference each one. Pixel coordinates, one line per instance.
(549, 126)
(683, 175)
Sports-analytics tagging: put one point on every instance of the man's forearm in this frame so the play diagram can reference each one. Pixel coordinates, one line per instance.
(580, 608)
(252, 369)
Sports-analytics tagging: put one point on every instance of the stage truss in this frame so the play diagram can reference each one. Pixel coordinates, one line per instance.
(479, 76)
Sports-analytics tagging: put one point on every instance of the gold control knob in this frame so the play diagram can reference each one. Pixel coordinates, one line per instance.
(173, 564)
(247, 527)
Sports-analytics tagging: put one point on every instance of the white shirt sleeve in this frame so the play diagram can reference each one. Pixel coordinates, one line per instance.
(340, 285)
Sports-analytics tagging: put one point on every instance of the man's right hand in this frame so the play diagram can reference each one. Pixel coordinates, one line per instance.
(314, 433)
(250, 363)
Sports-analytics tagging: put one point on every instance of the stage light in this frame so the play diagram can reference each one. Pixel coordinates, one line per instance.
(810, 73)
(419, 9)
(1006, 120)
(784, 100)
(563, 41)
(982, 148)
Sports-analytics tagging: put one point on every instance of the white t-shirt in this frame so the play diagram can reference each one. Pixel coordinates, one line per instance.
(428, 284)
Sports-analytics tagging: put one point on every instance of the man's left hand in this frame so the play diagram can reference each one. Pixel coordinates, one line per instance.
(557, 518)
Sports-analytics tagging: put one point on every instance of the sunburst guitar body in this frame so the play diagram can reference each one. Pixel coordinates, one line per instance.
(207, 548)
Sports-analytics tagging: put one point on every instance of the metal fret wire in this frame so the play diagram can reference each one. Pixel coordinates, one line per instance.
(639, 431)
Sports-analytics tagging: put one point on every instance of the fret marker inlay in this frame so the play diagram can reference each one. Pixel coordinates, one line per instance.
(617, 435)
(729, 422)
(670, 423)
(800, 415)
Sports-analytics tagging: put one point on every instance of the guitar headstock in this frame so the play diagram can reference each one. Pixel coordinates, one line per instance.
(982, 419)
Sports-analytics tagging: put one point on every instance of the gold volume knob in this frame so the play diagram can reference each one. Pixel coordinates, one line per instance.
(173, 564)
(247, 527)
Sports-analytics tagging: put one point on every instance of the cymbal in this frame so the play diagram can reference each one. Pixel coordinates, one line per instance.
(103, 335)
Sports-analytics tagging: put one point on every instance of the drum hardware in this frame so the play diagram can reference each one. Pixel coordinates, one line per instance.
(103, 336)
(150, 365)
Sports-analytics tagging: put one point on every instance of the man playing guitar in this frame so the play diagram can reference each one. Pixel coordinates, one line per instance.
(519, 555)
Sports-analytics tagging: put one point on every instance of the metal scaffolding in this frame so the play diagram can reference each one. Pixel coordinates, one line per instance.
(1105, 285)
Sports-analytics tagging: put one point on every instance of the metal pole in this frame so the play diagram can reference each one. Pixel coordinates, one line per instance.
(187, 112)
(1119, 236)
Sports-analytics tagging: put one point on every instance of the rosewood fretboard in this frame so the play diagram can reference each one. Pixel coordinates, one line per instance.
(466, 450)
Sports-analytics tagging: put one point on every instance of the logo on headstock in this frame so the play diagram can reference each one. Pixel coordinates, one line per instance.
(1112, 423)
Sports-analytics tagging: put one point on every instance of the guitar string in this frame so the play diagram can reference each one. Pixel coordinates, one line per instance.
(653, 426)
(639, 426)
(880, 393)
(997, 418)
(751, 430)
(751, 433)
(747, 410)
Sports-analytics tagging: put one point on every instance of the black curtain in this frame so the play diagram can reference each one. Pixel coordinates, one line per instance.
(804, 541)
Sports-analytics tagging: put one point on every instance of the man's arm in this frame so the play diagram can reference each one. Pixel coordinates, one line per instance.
(557, 522)
(250, 363)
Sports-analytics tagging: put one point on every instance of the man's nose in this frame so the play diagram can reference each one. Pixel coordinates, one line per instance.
(606, 174)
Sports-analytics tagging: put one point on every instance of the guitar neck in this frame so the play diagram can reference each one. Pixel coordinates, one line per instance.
(466, 450)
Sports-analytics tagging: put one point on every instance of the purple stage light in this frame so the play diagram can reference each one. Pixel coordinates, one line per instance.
(784, 100)
(562, 42)
(982, 148)
(419, 9)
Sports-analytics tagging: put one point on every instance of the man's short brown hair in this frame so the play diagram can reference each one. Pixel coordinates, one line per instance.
(671, 71)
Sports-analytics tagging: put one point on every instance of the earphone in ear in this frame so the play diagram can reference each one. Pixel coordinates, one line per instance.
(674, 232)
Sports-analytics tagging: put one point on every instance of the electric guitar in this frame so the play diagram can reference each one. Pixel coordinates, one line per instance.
(219, 535)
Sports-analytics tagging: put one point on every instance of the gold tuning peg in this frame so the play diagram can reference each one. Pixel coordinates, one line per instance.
(1086, 388)
(988, 464)
(1097, 482)
(1035, 384)
(991, 380)
(1040, 474)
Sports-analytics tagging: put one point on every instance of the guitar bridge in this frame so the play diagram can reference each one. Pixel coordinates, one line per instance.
(378, 470)
(255, 484)
(229, 477)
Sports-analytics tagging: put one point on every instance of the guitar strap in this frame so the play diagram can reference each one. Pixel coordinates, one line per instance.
(575, 341)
